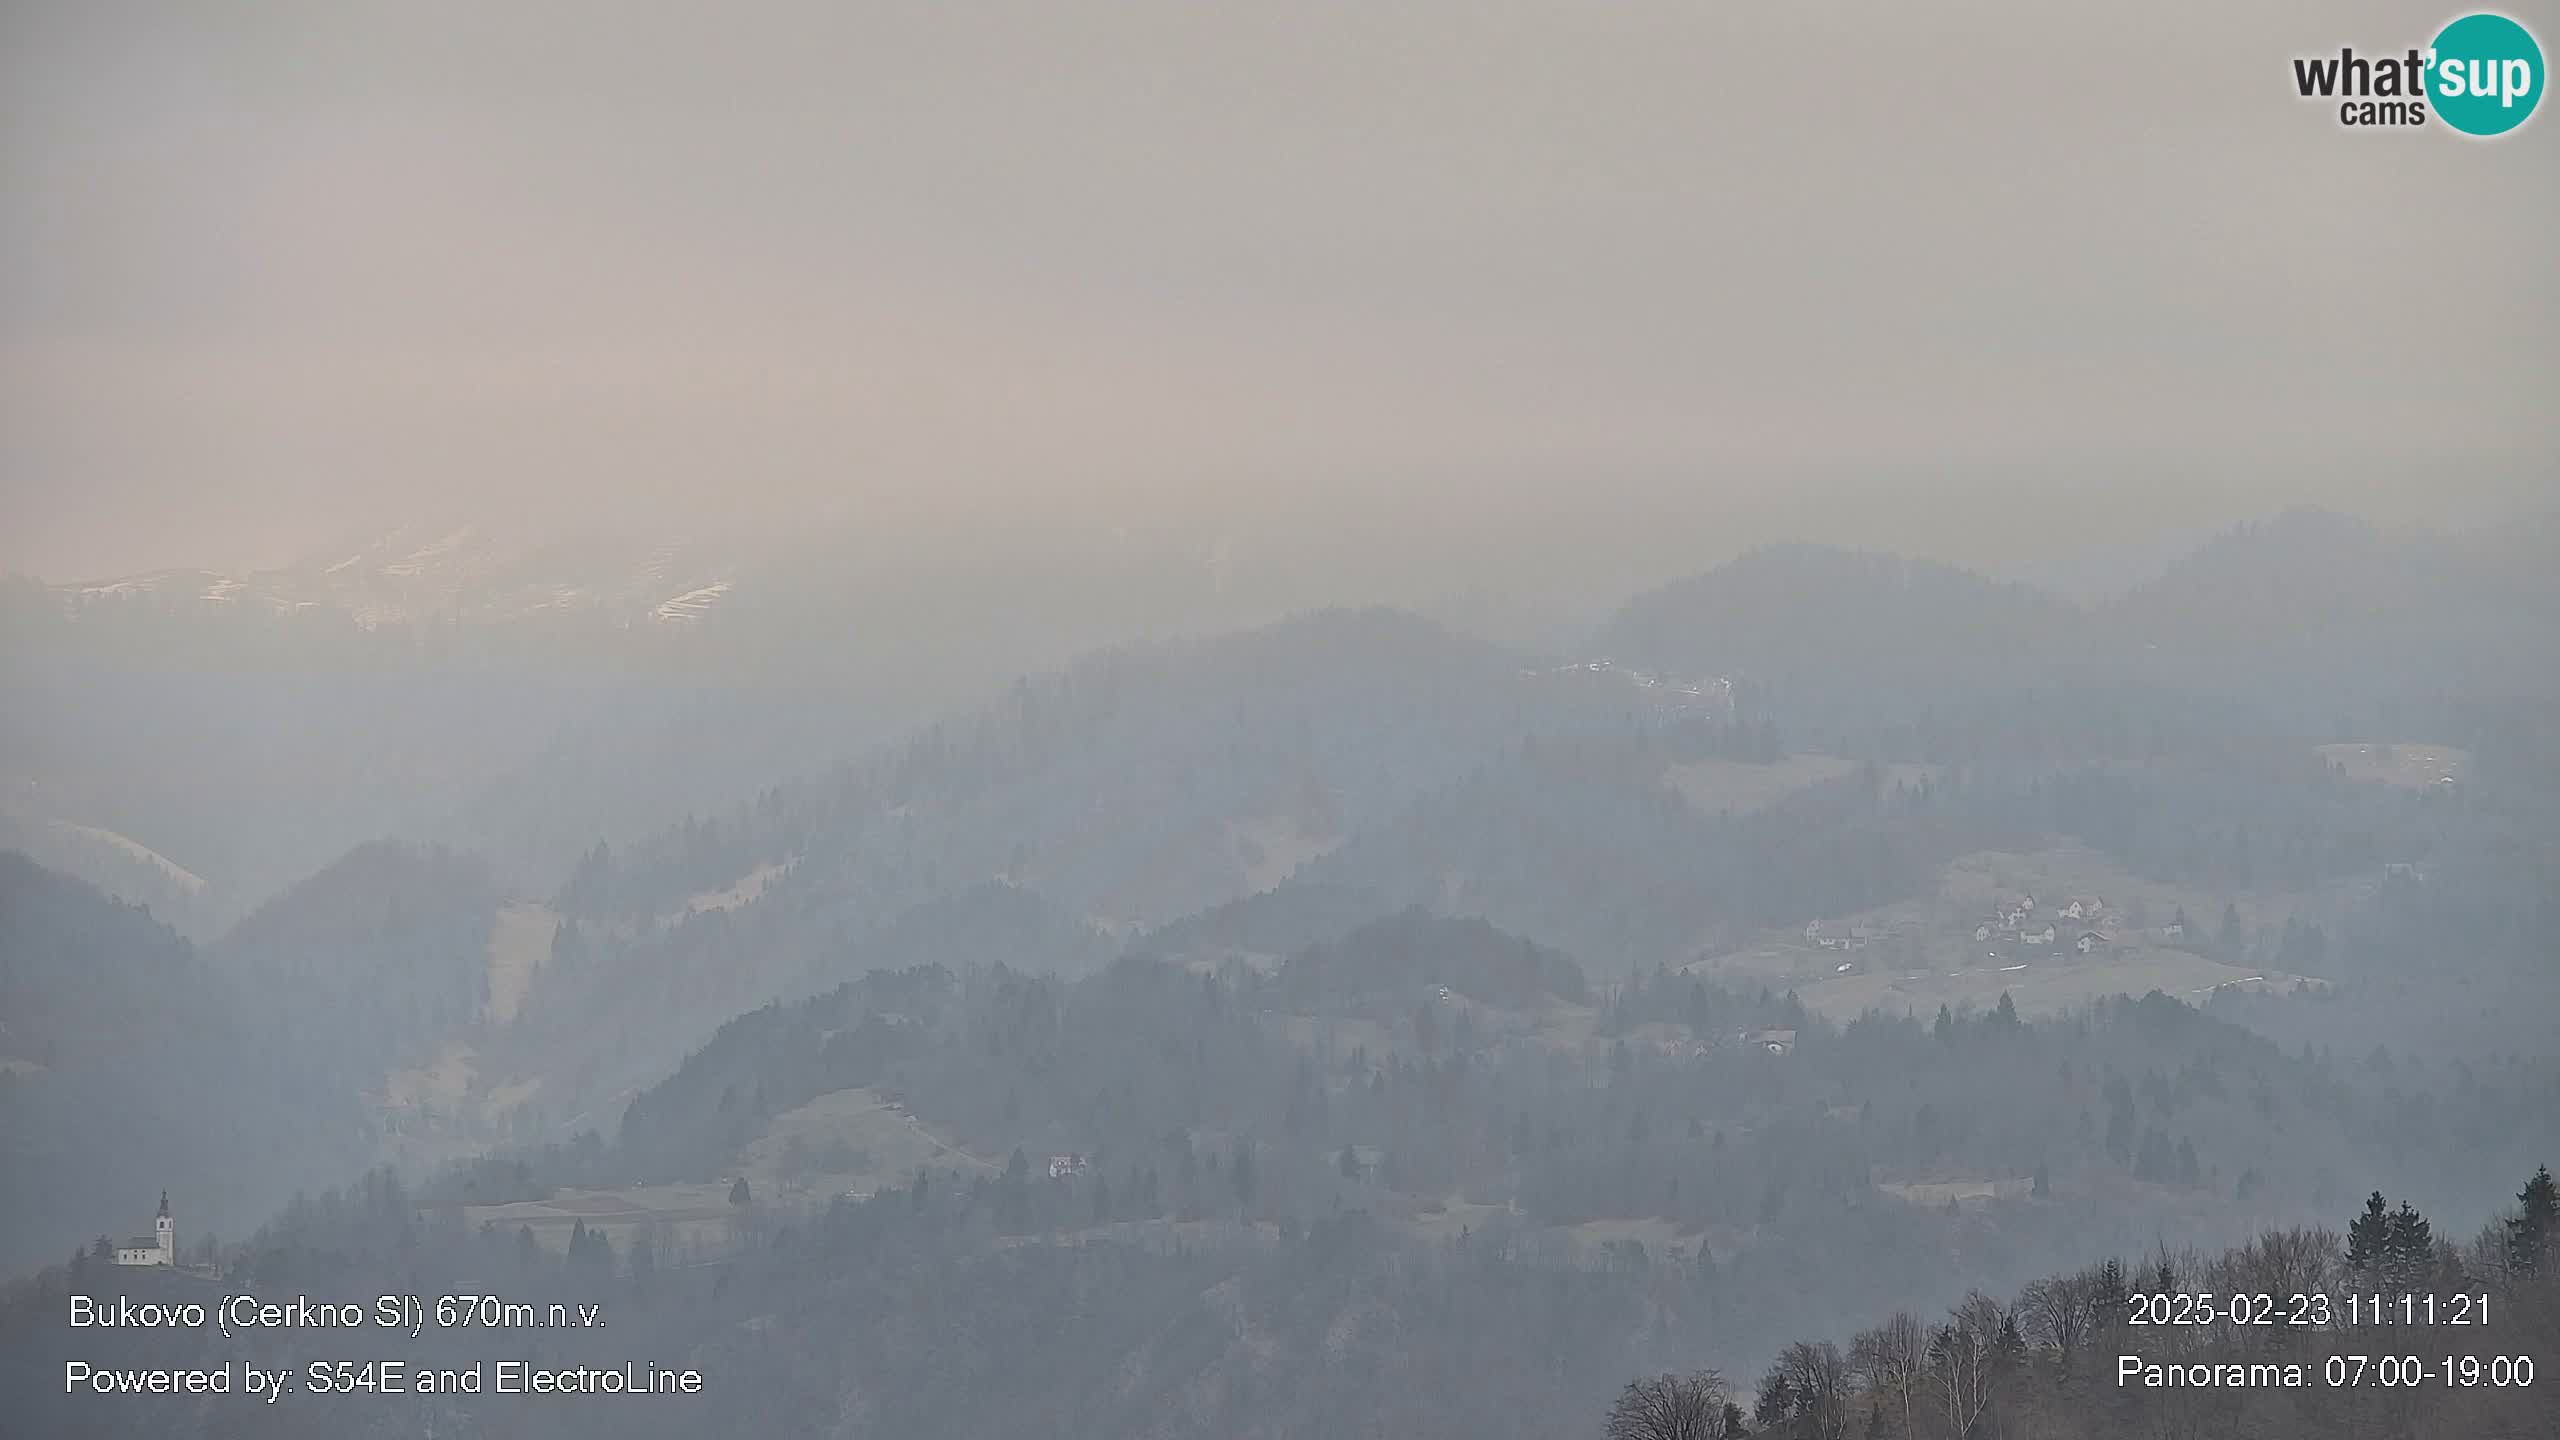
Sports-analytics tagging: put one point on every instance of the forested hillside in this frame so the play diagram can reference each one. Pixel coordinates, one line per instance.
(1250, 795)
(1320, 1015)
(1131, 790)
(1510, 1093)
(1138, 785)
(243, 1070)
(129, 1063)
(385, 953)
(1479, 1233)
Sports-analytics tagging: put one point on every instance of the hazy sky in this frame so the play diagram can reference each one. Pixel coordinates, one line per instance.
(269, 274)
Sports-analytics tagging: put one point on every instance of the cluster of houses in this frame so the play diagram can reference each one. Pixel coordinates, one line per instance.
(1715, 695)
(1759, 1042)
(2016, 923)
(1854, 937)
(1842, 942)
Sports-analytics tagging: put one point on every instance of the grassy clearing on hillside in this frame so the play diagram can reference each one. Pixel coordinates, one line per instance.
(679, 1214)
(1448, 1218)
(519, 942)
(2413, 764)
(184, 878)
(847, 1140)
(749, 888)
(1740, 787)
(2041, 988)
(442, 1084)
(1270, 849)
(885, 1144)
(1936, 1194)
(1658, 1236)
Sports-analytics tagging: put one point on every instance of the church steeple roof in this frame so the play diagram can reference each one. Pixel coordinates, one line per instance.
(164, 1204)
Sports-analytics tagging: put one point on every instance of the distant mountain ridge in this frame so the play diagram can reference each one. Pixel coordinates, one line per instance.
(2312, 597)
(413, 573)
(1817, 621)
(2307, 599)
(1342, 763)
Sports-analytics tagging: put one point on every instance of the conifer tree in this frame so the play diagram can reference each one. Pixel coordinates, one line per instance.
(2409, 1250)
(2369, 1236)
(2108, 1296)
(2535, 1226)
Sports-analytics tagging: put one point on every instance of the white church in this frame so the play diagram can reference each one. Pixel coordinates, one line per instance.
(162, 1246)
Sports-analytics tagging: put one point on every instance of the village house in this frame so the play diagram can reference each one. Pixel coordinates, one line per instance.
(1773, 1042)
(1857, 937)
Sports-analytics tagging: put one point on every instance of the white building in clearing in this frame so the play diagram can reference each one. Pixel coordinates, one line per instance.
(161, 1248)
(1772, 1042)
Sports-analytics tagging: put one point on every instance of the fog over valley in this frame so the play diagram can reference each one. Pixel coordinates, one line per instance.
(1449, 721)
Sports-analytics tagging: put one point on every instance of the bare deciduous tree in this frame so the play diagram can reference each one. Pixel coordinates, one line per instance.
(2297, 1261)
(1964, 1360)
(2056, 1313)
(1893, 1360)
(1671, 1407)
(1817, 1377)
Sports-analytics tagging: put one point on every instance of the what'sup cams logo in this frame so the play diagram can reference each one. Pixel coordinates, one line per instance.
(2482, 75)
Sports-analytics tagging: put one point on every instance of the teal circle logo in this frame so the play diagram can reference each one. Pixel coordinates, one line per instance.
(2484, 74)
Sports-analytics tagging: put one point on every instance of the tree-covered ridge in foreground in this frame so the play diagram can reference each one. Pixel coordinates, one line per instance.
(2395, 1332)
(1306, 1207)
(891, 1316)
